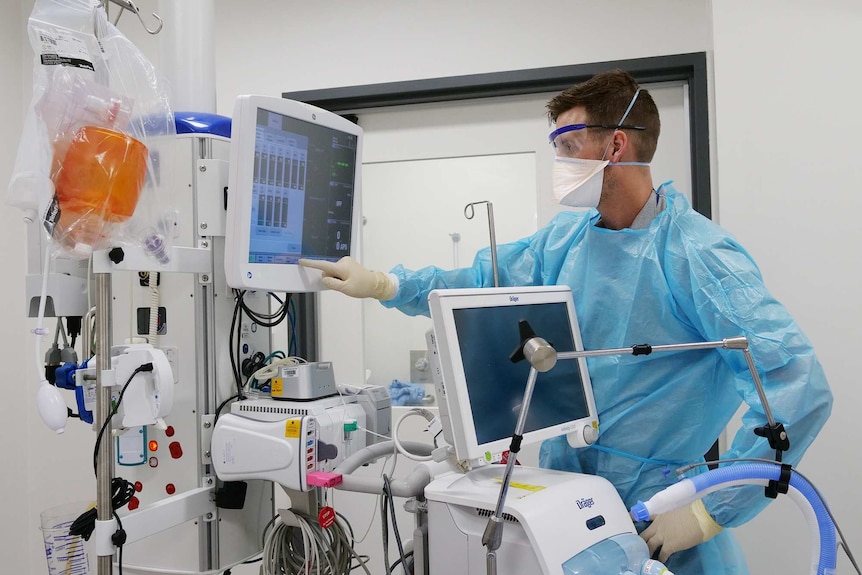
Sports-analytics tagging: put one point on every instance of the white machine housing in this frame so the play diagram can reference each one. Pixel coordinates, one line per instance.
(283, 441)
(149, 397)
(550, 516)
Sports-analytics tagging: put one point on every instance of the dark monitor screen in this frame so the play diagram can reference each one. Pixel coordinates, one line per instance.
(487, 336)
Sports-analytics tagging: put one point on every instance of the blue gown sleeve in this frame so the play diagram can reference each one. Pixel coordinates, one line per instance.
(520, 263)
(724, 295)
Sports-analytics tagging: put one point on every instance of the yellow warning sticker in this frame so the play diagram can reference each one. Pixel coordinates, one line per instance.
(292, 428)
(524, 486)
(276, 386)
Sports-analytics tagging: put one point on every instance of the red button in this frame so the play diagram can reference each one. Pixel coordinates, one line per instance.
(170, 431)
(176, 449)
(170, 488)
(134, 503)
(139, 486)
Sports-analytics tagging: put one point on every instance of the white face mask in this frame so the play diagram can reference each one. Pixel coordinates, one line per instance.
(577, 183)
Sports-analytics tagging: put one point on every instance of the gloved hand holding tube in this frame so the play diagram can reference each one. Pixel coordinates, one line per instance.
(680, 529)
(349, 277)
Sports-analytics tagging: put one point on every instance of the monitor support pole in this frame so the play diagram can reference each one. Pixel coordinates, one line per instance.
(539, 353)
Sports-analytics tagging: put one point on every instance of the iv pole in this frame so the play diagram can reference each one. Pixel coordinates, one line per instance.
(542, 357)
(105, 457)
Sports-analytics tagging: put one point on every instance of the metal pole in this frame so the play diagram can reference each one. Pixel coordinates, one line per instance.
(469, 213)
(105, 457)
(493, 235)
(492, 538)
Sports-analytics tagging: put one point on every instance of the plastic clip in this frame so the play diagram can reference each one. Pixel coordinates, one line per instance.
(777, 437)
(782, 484)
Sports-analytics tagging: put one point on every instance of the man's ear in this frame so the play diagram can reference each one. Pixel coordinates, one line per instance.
(619, 144)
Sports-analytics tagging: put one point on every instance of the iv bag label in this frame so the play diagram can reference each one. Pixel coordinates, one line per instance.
(60, 48)
(292, 428)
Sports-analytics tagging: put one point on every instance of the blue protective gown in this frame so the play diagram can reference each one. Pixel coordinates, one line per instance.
(683, 279)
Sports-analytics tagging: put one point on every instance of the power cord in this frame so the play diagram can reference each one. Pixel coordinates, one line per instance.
(388, 499)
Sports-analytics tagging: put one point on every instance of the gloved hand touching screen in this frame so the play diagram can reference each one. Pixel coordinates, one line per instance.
(349, 277)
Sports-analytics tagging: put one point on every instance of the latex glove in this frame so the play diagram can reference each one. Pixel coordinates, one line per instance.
(349, 277)
(680, 529)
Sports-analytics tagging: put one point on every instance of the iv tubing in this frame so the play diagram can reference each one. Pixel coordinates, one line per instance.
(696, 487)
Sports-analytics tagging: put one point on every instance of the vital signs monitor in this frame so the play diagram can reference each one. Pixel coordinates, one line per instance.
(293, 192)
(480, 389)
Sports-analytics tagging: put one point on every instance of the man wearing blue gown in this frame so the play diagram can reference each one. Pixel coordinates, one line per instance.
(644, 266)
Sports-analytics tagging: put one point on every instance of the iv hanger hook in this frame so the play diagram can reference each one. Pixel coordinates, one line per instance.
(156, 16)
(132, 7)
(470, 213)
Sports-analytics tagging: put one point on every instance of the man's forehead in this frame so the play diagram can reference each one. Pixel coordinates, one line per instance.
(576, 115)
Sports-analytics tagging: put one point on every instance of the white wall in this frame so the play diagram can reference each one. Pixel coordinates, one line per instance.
(14, 410)
(787, 100)
(767, 168)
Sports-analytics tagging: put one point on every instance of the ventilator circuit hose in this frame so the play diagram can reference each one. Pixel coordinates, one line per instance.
(801, 491)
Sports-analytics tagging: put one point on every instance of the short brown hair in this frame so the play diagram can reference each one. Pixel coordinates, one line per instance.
(605, 98)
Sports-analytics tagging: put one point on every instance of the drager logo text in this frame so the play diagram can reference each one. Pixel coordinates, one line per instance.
(585, 503)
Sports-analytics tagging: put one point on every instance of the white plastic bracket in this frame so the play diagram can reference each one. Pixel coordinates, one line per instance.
(108, 378)
(103, 533)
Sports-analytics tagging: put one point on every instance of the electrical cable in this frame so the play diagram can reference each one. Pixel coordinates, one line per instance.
(141, 368)
(234, 351)
(266, 319)
(291, 318)
(397, 561)
(306, 547)
(387, 489)
(222, 405)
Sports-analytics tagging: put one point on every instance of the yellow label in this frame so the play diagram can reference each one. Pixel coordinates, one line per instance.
(276, 387)
(292, 428)
(524, 486)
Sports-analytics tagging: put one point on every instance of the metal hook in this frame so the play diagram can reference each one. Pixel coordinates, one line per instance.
(470, 213)
(131, 6)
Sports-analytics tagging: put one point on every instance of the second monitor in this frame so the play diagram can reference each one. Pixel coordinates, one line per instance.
(481, 390)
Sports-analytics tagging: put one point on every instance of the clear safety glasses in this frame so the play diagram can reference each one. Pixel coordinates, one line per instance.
(568, 140)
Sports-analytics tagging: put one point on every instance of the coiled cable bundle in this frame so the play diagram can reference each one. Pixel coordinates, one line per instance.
(301, 546)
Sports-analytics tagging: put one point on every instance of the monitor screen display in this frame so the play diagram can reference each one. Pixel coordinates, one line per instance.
(302, 190)
(293, 192)
(495, 386)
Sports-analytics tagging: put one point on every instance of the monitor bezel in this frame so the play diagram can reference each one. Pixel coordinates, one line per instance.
(454, 400)
(291, 278)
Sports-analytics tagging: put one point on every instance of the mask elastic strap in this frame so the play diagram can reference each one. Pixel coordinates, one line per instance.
(620, 123)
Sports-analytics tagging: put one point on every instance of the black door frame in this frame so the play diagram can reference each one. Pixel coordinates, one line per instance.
(690, 68)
